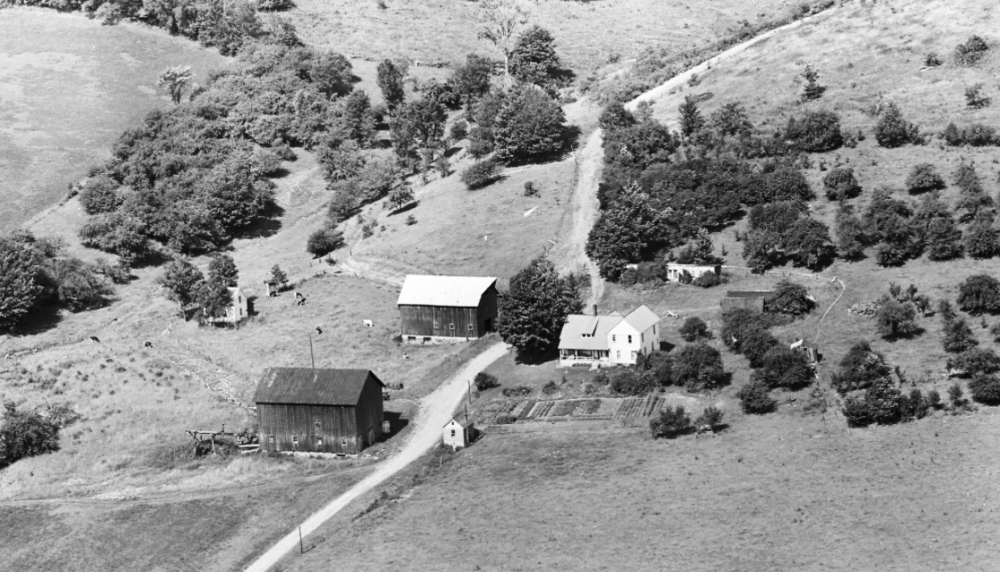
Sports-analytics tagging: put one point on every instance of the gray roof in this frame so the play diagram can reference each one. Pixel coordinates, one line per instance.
(582, 332)
(642, 318)
(307, 386)
(452, 291)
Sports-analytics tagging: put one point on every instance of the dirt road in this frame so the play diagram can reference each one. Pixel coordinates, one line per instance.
(435, 410)
(584, 212)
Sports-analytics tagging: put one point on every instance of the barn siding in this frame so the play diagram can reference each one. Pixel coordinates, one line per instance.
(284, 421)
(370, 412)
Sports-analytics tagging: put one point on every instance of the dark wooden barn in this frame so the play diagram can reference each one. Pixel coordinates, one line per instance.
(749, 299)
(318, 410)
(447, 307)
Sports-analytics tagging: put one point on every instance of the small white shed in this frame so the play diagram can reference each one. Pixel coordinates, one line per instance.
(458, 434)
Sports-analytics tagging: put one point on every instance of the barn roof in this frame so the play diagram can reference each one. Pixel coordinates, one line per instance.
(641, 318)
(453, 291)
(308, 386)
(581, 332)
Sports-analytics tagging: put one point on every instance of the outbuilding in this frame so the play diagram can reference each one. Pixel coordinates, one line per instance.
(447, 308)
(457, 434)
(319, 410)
(687, 273)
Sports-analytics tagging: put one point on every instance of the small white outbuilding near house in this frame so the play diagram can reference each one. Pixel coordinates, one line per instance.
(457, 434)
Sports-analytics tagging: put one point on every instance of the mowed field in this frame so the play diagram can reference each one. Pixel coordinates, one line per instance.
(68, 88)
(781, 492)
(588, 34)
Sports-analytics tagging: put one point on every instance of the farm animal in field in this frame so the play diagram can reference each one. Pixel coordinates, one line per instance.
(300, 300)
(148, 345)
(319, 330)
(95, 340)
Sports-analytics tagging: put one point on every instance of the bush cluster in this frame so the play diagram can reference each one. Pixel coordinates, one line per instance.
(484, 381)
(861, 367)
(884, 404)
(975, 135)
(26, 434)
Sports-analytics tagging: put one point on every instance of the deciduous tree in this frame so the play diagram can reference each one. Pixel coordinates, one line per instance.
(534, 310)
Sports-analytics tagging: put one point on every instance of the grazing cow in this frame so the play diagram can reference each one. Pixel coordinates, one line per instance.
(148, 345)
(95, 340)
(319, 330)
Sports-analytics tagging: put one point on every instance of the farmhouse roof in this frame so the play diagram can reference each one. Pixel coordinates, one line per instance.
(642, 318)
(308, 386)
(459, 422)
(454, 291)
(582, 332)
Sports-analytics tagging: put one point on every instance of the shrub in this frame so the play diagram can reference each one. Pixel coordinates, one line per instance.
(813, 90)
(459, 130)
(504, 419)
(698, 367)
(896, 320)
(892, 130)
(958, 336)
(978, 294)
(816, 132)
(694, 328)
(981, 239)
(530, 190)
(859, 368)
(985, 389)
(484, 381)
(971, 52)
(755, 345)
(25, 434)
(975, 361)
(480, 174)
(99, 195)
(840, 184)
(633, 382)
(883, 400)
(784, 367)
(550, 388)
(324, 240)
(975, 98)
(529, 126)
(518, 391)
(755, 397)
(924, 177)
(710, 417)
(707, 280)
(672, 422)
(789, 299)
(932, 60)
(856, 412)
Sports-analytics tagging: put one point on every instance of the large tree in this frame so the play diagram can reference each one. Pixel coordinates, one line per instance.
(176, 79)
(181, 280)
(471, 80)
(624, 233)
(502, 20)
(534, 60)
(22, 283)
(223, 267)
(390, 81)
(529, 126)
(979, 293)
(534, 310)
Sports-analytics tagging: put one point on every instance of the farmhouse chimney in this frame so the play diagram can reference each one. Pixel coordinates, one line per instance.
(595, 309)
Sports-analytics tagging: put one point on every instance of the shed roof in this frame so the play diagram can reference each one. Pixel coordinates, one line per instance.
(749, 293)
(581, 332)
(454, 291)
(642, 318)
(308, 386)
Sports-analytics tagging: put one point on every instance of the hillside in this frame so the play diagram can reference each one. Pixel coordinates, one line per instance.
(55, 117)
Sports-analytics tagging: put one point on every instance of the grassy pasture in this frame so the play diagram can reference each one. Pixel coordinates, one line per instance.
(774, 493)
(68, 88)
(589, 35)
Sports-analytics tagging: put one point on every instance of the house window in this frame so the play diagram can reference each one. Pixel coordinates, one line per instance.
(618, 354)
(343, 443)
(295, 442)
(614, 338)
(470, 327)
(630, 338)
(451, 327)
(452, 432)
(654, 329)
(270, 439)
(319, 425)
(319, 443)
(633, 356)
(642, 338)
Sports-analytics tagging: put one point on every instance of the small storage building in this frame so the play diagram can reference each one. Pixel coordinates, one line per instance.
(449, 308)
(319, 410)
(457, 434)
(749, 299)
(687, 273)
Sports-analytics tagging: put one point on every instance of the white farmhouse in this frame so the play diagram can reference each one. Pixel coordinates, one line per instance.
(608, 340)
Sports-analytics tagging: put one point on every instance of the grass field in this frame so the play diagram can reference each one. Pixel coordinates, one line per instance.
(589, 35)
(68, 88)
(781, 492)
